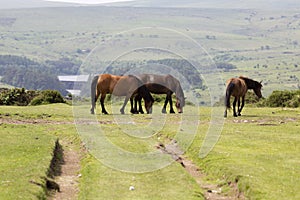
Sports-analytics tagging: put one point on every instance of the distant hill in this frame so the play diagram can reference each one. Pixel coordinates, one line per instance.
(227, 4)
(16, 4)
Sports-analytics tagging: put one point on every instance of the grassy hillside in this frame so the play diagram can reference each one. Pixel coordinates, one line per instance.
(262, 44)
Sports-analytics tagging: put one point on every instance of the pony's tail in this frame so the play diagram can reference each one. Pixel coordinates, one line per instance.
(93, 90)
(229, 90)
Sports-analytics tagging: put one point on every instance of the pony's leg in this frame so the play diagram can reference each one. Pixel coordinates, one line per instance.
(171, 104)
(131, 105)
(133, 109)
(165, 105)
(124, 104)
(242, 106)
(139, 100)
(102, 103)
(238, 107)
(234, 104)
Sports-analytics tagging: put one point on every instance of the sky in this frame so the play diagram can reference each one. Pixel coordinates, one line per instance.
(89, 1)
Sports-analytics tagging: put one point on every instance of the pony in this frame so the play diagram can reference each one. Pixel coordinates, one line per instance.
(238, 87)
(128, 86)
(162, 84)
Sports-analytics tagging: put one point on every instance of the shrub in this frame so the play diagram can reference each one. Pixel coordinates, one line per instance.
(251, 98)
(47, 97)
(284, 99)
(16, 96)
(22, 97)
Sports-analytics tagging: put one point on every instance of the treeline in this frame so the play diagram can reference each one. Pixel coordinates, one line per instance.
(25, 73)
(31, 78)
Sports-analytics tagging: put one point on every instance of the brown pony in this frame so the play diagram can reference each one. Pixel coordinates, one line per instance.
(128, 86)
(162, 84)
(238, 87)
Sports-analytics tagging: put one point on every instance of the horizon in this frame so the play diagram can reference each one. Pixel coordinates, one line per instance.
(91, 2)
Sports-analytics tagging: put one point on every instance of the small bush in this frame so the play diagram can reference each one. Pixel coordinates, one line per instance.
(16, 96)
(37, 101)
(284, 99)
(48, 97)
(22, 97)
(251, 98)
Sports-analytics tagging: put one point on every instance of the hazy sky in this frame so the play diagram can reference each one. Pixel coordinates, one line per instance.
(89, 1)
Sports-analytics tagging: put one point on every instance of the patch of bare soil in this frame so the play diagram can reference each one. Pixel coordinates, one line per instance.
(68, 176)
(44, 121)
(212, 192)
(266, 122)
(31, 121)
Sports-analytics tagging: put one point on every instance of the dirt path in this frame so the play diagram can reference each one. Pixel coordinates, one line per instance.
(212, 192)
(68, 178)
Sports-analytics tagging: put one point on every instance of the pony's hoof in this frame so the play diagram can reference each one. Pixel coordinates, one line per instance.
(133, 112)
(163, 111)
(172, 111)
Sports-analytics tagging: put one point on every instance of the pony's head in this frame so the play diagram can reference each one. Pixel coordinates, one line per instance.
(180, 102)
(148, 105)
(257, 89)
(148, 99)
(180, 99)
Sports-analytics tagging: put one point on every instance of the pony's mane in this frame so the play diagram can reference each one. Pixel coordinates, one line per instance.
(244, 77)
(251, 81)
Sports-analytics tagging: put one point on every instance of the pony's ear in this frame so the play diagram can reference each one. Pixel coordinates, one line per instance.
(261, 82)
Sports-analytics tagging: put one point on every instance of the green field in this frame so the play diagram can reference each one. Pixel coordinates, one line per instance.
(259, 151)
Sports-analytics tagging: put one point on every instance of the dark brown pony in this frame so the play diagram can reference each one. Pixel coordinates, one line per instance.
(128, 86)
(162, 84)
(237, 87)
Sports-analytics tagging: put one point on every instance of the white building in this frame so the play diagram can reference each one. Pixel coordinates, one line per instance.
(73, 83)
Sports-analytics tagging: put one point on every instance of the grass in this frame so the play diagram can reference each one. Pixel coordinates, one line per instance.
(25, 156)
(259, 151)
(171, 182)
(26, 147)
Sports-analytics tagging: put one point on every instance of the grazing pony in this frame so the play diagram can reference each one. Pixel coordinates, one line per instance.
(238, 87)
(162, 84)
(128, 86)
